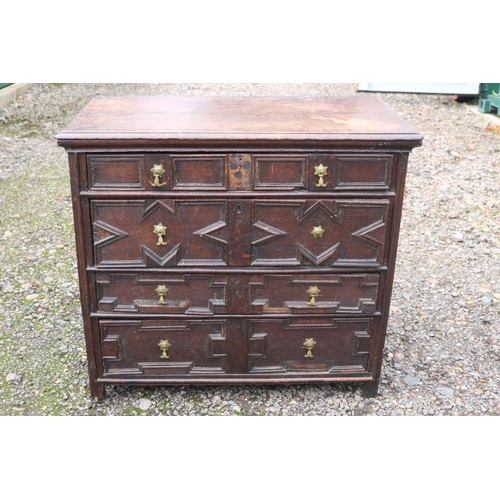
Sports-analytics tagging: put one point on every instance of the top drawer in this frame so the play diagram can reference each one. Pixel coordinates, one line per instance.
(241, 172)
(156, 172)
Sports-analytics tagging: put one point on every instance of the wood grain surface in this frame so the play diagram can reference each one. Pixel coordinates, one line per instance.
(235, 119)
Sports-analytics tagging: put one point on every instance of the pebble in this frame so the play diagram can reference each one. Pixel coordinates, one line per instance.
(458, 237)
(144, 404)
(411, 380)
(447, 392)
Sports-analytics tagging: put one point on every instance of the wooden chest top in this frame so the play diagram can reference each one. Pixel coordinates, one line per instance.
(233, 121)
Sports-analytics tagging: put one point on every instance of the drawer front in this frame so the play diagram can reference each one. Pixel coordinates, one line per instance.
(314, 293)
(116, 172)
(201, 172)
(159, 233)
(161, 293)
(163, 233)
(162, 348)
(324, 173)
(157, 172)
(260, 172)
(331, 233)
(351, 172)
(280, 172)
(208, 294)
(309, 345)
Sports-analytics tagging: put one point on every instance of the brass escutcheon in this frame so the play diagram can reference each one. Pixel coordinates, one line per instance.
(317, 232)
(157, 172)
(161, 290)
(309, 344)
(321, 171)
(160, 230)
(164, 345)
(313, 292)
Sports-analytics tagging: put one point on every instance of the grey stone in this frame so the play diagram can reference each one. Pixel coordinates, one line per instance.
(411, 380)
(487, 300)
(447, 392)
(144, 404)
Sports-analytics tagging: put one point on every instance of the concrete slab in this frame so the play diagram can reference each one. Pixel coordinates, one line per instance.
(12, 92)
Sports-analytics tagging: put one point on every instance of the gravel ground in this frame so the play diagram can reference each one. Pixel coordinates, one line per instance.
(442, 349)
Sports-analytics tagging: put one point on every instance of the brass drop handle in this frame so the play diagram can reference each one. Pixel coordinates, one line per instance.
(157, 172)
(313, 292)
(309, 344)
(164, 346)
(321, 171)
(161, 290)
(160, 230)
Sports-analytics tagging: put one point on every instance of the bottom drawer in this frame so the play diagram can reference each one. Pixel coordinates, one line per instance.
(236, 347)
(305, 344)
(162, 348)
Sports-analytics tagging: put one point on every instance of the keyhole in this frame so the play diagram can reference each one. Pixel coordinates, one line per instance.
(239, 209)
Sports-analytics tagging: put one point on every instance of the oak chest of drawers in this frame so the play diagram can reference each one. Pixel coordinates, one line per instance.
(236, 240)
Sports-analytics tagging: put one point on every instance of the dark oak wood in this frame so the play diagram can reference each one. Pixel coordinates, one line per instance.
(109, 121)
(136, 293)
(219, 201)
(342, 346)
(279, 172)
(205, 293)
(355, 232)
(132, 348)
(282, 293)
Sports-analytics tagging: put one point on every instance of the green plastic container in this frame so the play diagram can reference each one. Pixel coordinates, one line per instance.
(489, 97)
